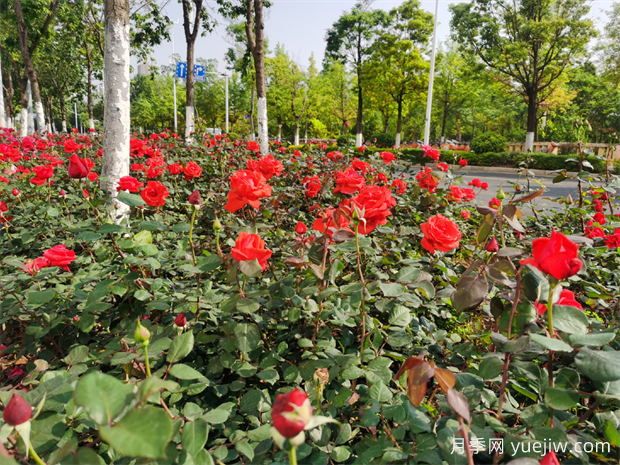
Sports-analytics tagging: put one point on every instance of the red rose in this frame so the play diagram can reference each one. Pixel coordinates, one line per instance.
(431, 153)
(387, 157)
(359, 165)
(42, 174)
(192, 170)
(77, 168)
(180, 320)
(335, 155)
(463, 162)
(251, 247)
(443, 166)
(495, 203)
(465, 214)
(492, 245)
(550, 459)
(612, 241)
(291, 412)
(246, 188)
(373, 204)
(313, 186)
(92, 176)
(427, 180)
(400, 186)
(348, 181)
(175, 168)
(129, 183)
(195, 198)
(71, 146)
(17, 411)
(301, 228)
(268, 165)
(566, 299)
(556, 255)
(59, 256)
(32, 267)
(252, 146)
(154, 194)
(330, 220)
(440, 233)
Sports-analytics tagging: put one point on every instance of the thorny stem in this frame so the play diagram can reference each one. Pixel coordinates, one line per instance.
(551, 332)
(468, 451)
(191, 234)
(147, 363)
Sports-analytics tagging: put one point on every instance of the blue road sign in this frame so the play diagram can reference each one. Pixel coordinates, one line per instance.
(200, 72)
(181, 70)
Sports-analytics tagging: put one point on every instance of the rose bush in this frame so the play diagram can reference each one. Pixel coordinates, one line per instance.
(185, 334)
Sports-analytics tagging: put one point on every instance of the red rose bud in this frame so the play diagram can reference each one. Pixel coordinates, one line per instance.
(465, 214)
(77, 168)
(195, 198)
(180, 320)
(492, 245)
(301, 228)
(550, 459)
(17, 411)
(291, 413)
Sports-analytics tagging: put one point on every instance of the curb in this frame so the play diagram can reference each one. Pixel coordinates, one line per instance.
(456, 169)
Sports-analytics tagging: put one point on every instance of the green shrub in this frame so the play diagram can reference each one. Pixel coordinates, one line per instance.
(488, 142)
(383, 140)
(342, 141)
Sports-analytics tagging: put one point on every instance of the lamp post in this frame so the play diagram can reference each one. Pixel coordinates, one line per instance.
(431, 78)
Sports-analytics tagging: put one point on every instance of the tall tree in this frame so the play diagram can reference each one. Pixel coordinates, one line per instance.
(2, 110)
(531, 42)
(610, 45)
(116, 119)
(349, 40)
(396, 57)
(28, 46)
(254, 30)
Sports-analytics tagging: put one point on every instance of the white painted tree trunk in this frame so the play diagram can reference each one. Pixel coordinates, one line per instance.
(189, 123)
(529, 142)
(30, 123)
(91, 124)
(23, 122)
(306, 137)
(116, 121)
(279, 133)
(397, 141)
(40, 117)
(296, 140)
(359, 139)
(3, 123)
(64, 125)
(263, 131)
(10, 123)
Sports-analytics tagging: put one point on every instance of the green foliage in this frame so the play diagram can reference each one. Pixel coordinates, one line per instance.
(488, 142)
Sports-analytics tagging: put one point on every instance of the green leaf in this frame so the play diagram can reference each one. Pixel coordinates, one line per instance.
(380, 392)
(612, 433)
(248, 337)
(185, 372)
(40, 297)
(340, 454)
(490, 367)
(401, 316)
(471, 290)
(250, 268)
(245, 448)
(569, 320)
(133, 200)
(195, 434)
(591, 339)
(217, 416)
(144, 432)
(392, 289)
(599, 365)
(561, 399)
(102, 396)
(181, 346)
(551, 344)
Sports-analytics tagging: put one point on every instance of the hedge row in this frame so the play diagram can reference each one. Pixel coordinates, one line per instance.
(539, 161)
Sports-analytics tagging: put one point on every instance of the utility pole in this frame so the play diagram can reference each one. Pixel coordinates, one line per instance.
(431, 78)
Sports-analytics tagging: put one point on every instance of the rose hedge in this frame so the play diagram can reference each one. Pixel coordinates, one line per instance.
(406, 314)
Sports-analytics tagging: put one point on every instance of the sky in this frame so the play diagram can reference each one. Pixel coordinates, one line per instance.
(301, 26)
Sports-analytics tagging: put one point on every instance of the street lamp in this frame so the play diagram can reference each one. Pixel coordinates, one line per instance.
(431, 78)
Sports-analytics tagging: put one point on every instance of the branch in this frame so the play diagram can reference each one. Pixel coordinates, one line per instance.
(45, 27)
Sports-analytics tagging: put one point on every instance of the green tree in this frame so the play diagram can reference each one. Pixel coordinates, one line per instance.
(350, 41)
(531, 42)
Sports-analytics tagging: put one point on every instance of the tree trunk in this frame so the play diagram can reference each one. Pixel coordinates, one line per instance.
(444, 120)
(116, 119)
(191, 26)
(32, 73)
(23, 103)
(89, 90)
(254, 29)
(10, 113)
(532, 106)
(296, 138)
(63, 113)
(2, 111)
(359, 120)
(399, 123)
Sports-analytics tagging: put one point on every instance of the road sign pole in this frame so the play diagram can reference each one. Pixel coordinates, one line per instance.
(174, 100)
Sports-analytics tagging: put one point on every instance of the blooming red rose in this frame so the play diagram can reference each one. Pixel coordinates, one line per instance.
(71, 146)
(291, 412)
(17, 411)
(400, 186)
(334, 155)
(612, 241)
(460, 194)
(252, 146)
(440, 233)
(251, 247)
(495, 203)
(427, 180)
(92, 176)
(465, 214)
(348, 181)
(175, 168)
(192, 170)
(556, 255)
(59, 256)
(443, 166)
(77, 169)
(431, 153)
(269, 166)
(550, 459)
(129, 183)
(387, 157)
(313, 186)
(301, 228)
(359, 165)
(247, 187)
(32, 267)
(332, 219)
(463, 162)
(154, 194)
(373, 205)
(566, 299)
(42, 174)
(599, 217)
